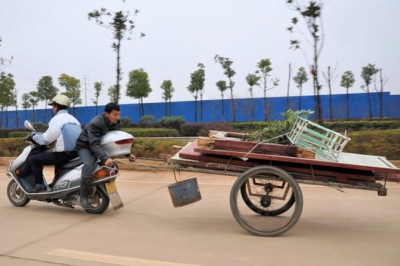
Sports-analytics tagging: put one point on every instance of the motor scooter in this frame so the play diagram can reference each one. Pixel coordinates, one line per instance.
(64, 190)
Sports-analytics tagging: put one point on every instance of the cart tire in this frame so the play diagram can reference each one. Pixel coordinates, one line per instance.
(266, 224)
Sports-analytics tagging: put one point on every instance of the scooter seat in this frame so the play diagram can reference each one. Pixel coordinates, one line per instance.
(72, 163)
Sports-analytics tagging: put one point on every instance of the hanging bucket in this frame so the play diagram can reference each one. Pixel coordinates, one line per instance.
(184, 192)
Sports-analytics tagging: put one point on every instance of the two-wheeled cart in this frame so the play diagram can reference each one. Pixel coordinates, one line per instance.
(266, 198)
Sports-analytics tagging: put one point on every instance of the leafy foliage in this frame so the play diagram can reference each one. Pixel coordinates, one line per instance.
(274, 132)
(72, 87)
(121, 26)
(226, 64)
(138, 87)
(172, 122)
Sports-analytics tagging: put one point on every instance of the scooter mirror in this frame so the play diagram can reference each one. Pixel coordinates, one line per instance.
(28, 125)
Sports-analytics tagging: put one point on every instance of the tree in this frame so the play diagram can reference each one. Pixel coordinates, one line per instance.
(121, 26)
(46, 91)
(313, 20)
(138, 87)
(34, 100)
(26, 103)
(330, 77)
(288, 88)
(4, 61)
(382, 82)
(7, 96)
(72, 87)
(168, 91)
(347, 82)
(367, 74)
(112, 92)
(252, 80)
(196, 87)
(226, 64)
(16, 107)
(221, 85)
(97, 90)
(300, 78)
(264, 68)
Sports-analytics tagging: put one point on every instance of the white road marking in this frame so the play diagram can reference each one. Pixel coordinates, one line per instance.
(116, 260)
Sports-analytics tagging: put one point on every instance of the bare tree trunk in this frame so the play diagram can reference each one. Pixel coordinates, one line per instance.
(222, 107)
(301, 96)
(265, 106)
(201, 107)
(347, 103)
(381, 94)
(252, 105)
(317, 96)
(117, 85)
(195, 108)
(45, 112)
(233, 111)
(16, 117)
(288, 88)
(369, 103)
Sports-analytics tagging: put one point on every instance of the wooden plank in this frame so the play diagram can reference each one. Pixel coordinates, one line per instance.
(267, 157)
(255, 147)
(329, 173)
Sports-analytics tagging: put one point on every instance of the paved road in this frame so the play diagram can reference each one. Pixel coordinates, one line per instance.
(336, 228)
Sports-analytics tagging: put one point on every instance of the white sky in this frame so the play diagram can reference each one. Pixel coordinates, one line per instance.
(51, 37)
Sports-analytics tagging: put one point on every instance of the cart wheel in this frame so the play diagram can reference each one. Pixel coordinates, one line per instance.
(263, 204)
(268, 191)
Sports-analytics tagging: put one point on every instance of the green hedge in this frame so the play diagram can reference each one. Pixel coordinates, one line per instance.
(380, 142)
(341, 126)
(201, 129)
(153, 147)
(375, 142)
(152, 132)
(143, 147)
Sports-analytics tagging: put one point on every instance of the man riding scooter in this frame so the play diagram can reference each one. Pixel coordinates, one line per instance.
(64, 129)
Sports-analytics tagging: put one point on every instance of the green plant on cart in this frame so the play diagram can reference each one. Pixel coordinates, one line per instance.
(275, 132)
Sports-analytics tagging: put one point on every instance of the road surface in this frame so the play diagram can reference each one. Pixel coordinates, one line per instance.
(350, 227)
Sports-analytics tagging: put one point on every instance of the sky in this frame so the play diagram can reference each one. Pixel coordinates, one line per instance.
(52, 37)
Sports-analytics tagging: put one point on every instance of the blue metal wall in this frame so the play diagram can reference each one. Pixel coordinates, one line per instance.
(213, 109)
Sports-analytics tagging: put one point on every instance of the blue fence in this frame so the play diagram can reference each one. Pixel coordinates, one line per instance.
(220, 111)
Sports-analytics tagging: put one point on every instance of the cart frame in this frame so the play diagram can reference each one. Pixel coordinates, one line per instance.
(291, 170)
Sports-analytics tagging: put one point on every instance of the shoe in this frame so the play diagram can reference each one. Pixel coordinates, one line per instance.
(85, 203)
(37, 188)
(85, 192)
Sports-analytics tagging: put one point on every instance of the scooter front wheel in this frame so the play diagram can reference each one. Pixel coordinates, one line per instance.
(16, 195)
(99, 202)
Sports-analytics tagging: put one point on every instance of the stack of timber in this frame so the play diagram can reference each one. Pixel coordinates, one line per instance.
(232, 152)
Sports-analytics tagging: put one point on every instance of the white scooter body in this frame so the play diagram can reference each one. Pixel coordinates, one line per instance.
(64, 190)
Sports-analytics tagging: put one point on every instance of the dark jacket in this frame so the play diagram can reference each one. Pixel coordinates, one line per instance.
(92, 133)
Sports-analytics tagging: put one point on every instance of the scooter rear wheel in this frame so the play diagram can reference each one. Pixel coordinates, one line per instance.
(100, 202)
(16, 195)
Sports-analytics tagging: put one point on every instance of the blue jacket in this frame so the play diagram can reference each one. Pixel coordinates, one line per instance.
(64, 129)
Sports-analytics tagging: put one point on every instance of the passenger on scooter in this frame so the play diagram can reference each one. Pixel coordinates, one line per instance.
(89, 150)
(64, 129)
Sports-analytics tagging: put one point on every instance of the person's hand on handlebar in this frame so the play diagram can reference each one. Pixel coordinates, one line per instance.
(109, 162)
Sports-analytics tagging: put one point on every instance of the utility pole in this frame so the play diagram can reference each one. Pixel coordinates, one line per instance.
(85, 90)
